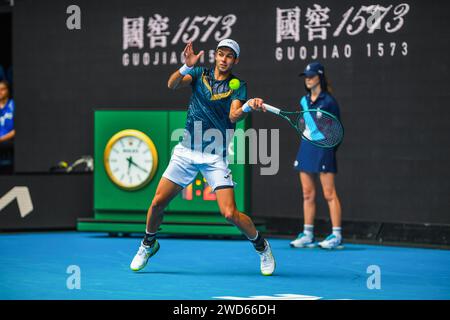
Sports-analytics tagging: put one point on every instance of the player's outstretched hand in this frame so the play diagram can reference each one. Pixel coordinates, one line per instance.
(190, 57)
(257, 104)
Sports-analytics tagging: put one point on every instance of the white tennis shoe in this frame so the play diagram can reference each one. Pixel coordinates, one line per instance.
(331, 242)
(303, 241)
(267, 260)
(144, 253)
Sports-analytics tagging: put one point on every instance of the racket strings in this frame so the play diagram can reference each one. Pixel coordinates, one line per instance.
(320, 128)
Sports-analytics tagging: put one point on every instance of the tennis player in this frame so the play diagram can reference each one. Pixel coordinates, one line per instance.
(213, 105)
(313, 161)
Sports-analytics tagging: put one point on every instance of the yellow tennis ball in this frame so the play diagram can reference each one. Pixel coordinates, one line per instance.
(234, 84)
(63, 164)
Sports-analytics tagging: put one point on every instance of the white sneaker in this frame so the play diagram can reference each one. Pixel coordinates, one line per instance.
(331, 242)
(303, 241)
(267, 260)
(144, 253)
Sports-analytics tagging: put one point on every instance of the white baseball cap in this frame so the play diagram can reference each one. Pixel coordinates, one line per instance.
(233, 45)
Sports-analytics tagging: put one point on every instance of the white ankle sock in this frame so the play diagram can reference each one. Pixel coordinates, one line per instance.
(337, 231)
(256, 237)
(308, 230)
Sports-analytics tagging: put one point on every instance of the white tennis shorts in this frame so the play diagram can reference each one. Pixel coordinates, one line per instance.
(185, 164)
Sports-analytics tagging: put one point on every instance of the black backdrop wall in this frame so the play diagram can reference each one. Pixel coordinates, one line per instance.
(391, 79)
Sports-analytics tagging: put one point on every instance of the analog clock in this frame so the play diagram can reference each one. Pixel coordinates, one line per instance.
(130, 159)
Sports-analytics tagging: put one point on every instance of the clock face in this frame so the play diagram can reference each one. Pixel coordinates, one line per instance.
(130, 159)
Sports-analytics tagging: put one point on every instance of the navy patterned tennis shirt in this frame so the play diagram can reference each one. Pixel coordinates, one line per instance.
(209, 108)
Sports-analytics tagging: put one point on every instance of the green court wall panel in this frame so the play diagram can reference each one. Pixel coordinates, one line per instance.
(159, 126)
(107, 195)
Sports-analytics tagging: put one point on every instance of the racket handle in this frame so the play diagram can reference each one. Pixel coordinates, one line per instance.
(271, 108)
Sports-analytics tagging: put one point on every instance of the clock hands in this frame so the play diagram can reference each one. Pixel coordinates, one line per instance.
(139, 167)
(131, 162)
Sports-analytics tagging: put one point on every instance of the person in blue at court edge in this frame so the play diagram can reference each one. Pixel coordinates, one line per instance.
(313, 161)
(7, 131)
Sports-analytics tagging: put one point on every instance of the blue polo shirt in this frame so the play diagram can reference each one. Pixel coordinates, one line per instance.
(7, 118)
(210, 105)
(311, 158)
(324, 101)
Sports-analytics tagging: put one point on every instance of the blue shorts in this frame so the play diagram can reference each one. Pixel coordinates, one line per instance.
(313, 159)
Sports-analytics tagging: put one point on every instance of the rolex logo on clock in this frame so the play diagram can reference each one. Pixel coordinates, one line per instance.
(130, 159)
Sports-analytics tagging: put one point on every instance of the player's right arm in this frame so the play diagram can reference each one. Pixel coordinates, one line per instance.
(180, 78)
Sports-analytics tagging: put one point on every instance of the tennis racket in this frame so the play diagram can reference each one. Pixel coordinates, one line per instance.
(319, 127)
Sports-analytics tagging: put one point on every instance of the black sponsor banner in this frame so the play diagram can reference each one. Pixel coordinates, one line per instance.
(387, 61)
(38, 201)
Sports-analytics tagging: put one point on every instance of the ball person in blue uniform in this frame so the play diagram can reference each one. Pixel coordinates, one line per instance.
(313, 162)
(213, 106)
(7, 131)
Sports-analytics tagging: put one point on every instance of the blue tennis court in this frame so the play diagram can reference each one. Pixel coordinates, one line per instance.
(34, 266)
